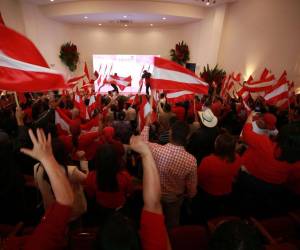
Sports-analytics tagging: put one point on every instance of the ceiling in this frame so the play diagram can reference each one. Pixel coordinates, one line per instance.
(189, 2)
(133, 13)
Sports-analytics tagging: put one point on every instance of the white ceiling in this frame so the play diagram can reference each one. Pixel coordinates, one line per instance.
(116, 17)
(189, 2)
(132, 19)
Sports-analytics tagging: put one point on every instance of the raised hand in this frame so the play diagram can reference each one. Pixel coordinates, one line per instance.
(138, 145)
(42, 149)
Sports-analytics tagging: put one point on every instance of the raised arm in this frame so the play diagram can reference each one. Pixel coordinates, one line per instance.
(151, 181)
(42, 152)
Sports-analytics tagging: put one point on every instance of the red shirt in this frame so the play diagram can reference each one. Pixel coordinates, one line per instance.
(216, 175)
(85, 142)
(110, 199)
(180, 112)
(260, 161)
(50, 234)
(153, 231)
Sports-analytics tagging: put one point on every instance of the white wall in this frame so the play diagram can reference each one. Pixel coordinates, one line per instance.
(262, 33)
(12, 14)
(204, 37)
(48, 35)
(100, 40)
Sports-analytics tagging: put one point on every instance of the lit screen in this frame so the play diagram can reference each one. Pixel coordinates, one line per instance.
(123, 65)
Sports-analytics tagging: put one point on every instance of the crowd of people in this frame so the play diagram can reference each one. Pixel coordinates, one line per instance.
(185, 164)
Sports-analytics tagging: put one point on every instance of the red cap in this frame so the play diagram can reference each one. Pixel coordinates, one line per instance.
(109, 133)
(216, 108)
(270, 121)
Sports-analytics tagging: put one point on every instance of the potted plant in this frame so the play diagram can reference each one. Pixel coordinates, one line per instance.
(181, 53)
(69, 55)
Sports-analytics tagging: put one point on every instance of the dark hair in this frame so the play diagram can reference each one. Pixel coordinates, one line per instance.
(8, 170)
(61, 156)
(118, 233)
(59, 152)
(179, 132)
(236, 235)
(167, 107)
(107, 168)
(288, 140)
(121, 115)
(225, 147)
(37, 109)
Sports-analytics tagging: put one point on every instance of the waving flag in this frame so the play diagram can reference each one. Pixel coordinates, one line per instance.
(179, 96)
(279, 92)
(265, 83)
(75, 79)
(169, 75)
(63, 123)
(225, 83)
(144, 110)
(121, 82)
(86, 72)
(22, 67)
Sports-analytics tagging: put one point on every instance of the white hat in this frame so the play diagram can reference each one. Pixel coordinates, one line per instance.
(208, 118)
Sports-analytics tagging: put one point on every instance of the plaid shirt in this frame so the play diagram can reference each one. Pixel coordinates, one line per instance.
(177, 168)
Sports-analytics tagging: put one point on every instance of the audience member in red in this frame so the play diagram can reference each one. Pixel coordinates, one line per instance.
(267, 166)
(77, 141)
(216, 175)
(216, 108)
(216, 172)
(179, 111)
(50, 233)
(262, 159)
(119, 233)
(109, 185)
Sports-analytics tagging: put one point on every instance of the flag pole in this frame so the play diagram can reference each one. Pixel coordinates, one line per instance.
(16, 99)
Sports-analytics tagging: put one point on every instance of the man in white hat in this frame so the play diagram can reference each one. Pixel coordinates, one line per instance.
(201, 142)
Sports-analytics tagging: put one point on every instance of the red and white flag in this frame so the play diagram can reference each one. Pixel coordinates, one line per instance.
(93, 103)
(86, 72)
(279, 92)
(265, 83)
(144, 110)
(63, 123)
(233, 83)
(22, 67)
(168, 75)
(75, 79)
(179, 96)
(121, 82)
(225, 83)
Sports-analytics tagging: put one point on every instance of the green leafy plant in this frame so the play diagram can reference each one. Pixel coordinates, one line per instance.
(69, 55)
(181, 53)
(213, 75)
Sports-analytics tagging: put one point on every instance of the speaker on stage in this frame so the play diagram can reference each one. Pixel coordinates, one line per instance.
(191, 66)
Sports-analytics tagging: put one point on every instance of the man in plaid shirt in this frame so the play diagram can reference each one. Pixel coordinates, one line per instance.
(177, 169)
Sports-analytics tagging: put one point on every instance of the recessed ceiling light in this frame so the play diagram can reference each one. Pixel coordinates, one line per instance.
(164, 18)
(85, 17)
(125, 25)
(51, 0)
(207, 3)
(125, 16)
(100, 24)
(151, 24)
